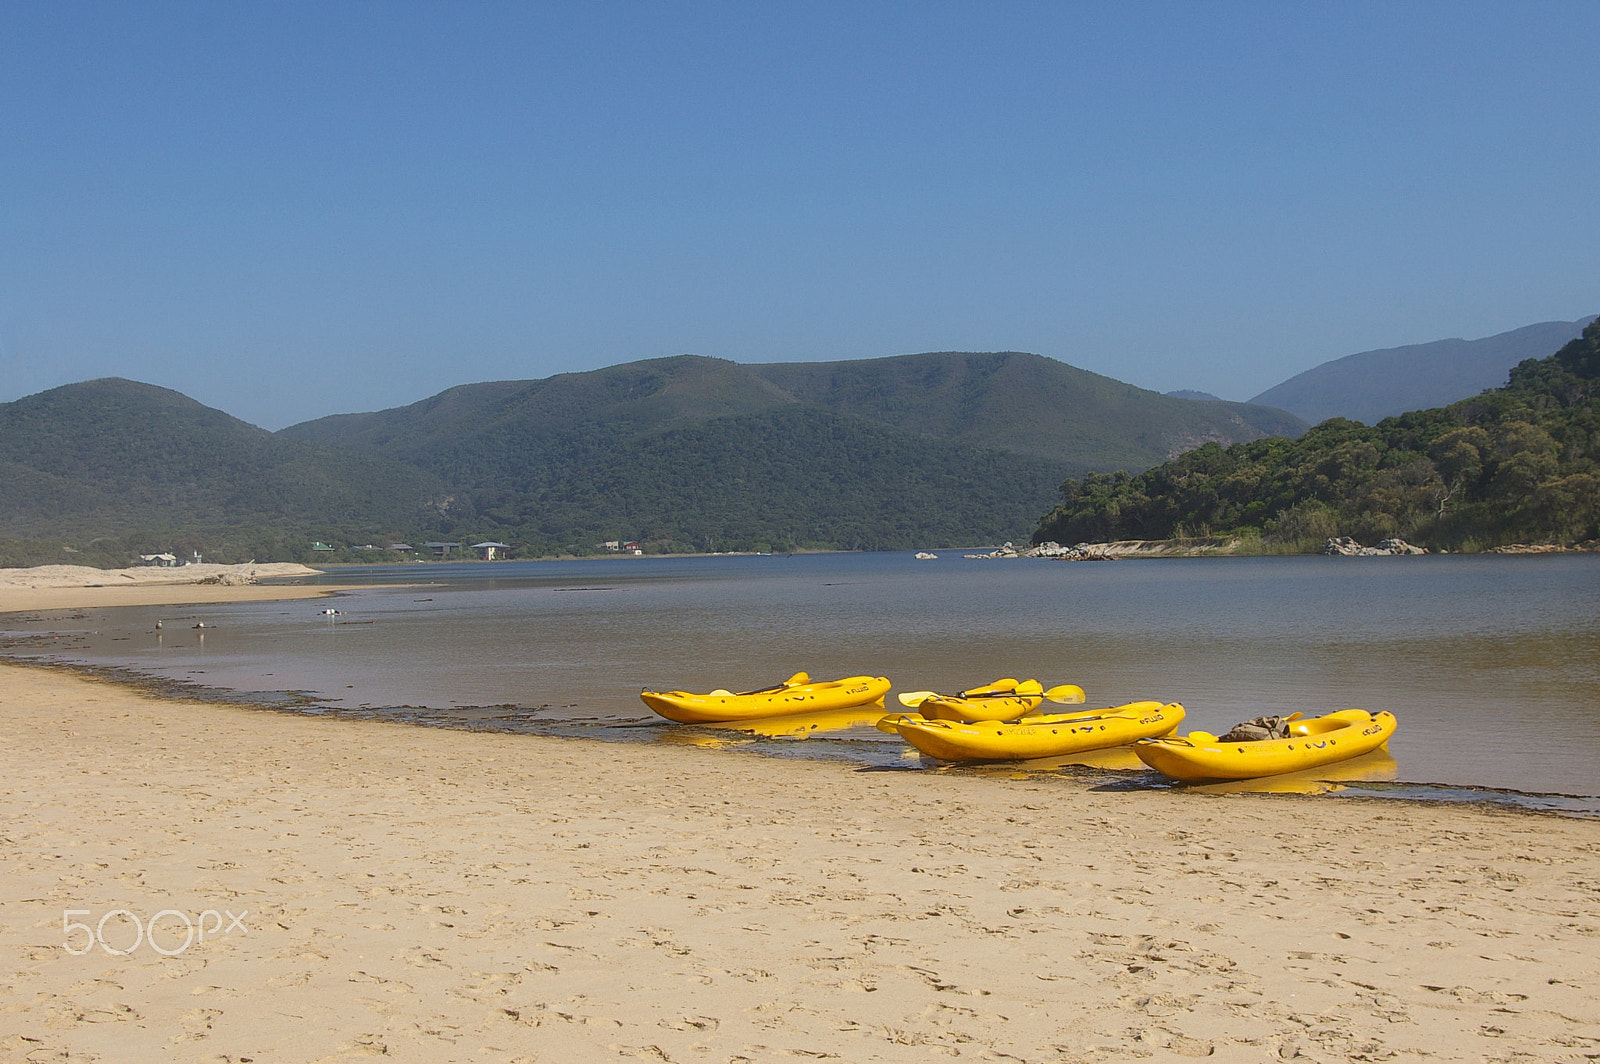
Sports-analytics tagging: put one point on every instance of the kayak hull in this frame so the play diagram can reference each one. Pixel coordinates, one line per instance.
(1050, 735)
(719, 708)
(1326, 740)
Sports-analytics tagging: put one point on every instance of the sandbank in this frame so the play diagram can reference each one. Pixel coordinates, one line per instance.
(50, 587)
(433, 895)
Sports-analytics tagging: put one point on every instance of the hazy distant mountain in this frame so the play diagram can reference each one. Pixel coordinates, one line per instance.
(1190, 393)
(1373, 385)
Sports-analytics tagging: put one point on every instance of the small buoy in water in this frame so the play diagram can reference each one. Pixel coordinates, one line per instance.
(203, 624)
(330, 613)
(158, 624)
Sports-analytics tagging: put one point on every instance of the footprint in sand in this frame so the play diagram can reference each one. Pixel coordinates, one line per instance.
(692, 1023)
(196, 1024)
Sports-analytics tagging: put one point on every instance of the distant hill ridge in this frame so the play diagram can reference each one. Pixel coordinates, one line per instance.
(1373, 385)
(1013, 401)
(107, 454)
(682, 453)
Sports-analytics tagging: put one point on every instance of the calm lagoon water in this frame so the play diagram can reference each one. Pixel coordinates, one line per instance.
(1492, 664)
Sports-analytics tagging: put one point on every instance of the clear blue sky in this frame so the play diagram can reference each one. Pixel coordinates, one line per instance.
(287, 210)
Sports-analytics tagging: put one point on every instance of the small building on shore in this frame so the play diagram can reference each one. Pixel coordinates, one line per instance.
(441, 549)
(489, 551)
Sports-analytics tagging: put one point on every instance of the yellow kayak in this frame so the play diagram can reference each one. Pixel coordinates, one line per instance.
(1317, 741)
(1006, 699)
(797, 694)
(1050, 735)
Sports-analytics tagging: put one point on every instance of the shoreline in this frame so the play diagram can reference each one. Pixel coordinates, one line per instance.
(1326, 783)
(431, 894)
(492, 718)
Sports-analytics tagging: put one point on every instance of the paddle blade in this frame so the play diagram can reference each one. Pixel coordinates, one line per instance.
(888, 724)
(720, 693)
(913, 699)
(1030, 687)
(797, 679)
(1068, 694)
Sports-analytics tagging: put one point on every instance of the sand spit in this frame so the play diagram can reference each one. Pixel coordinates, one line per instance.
(86, 576)
(48, 587)
(431, 895)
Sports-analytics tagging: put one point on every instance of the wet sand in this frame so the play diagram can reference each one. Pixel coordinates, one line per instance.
(435, 895)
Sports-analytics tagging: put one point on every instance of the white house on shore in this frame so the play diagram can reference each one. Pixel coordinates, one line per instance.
(490, 550)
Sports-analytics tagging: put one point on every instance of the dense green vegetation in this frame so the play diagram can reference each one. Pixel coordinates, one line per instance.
(110, 453)
(1519, 463)
(691, 453)
(780, 480)
(1024, 404)
(111, 469)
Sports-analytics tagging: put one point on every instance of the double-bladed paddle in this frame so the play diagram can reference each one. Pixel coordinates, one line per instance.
(887, 724)
(794, 681)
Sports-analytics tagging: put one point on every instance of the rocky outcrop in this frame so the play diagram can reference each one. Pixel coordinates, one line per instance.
(1081, 552)
(1096, 552)
(1107, 552)
(1344, 546)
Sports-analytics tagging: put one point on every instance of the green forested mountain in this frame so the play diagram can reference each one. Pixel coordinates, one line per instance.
(704, 453)
(683, 453)
(116, 458)
(1020, 403)
(1520, 463)
(772, 480)
(1025, 404)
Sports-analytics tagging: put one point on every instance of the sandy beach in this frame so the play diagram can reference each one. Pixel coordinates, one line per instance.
(381, 889)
